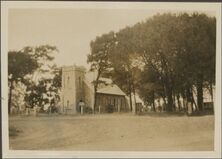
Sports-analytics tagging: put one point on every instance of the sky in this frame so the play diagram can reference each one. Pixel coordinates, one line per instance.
(70, 30)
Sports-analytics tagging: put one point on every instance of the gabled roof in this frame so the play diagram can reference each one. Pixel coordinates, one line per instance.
(111, 89)
(107, 88)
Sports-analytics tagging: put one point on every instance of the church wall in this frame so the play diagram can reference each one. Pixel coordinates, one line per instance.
(76, 88)
(79, 89)
(119, 102)
(72, 88)
(89, 96)
(68, 90)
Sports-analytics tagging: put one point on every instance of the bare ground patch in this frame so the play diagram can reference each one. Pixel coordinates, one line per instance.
(113, 132)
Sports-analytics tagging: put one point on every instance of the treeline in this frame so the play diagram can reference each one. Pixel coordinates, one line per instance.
(167, 56)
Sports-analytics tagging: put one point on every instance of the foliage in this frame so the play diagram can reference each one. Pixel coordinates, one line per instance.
(176, 52)
(20, 64)
(52, 109)
(181, 49)
(87, 110)
(29, 66)
(45, 91)
(37, 93)
(150, 86)
(99, 57)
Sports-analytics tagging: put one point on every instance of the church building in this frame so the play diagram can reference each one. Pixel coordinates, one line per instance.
(77, 84)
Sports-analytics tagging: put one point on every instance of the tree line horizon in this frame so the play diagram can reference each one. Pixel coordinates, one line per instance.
(166, 56)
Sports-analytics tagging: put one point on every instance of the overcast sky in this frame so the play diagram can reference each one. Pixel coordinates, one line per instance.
(71, 30)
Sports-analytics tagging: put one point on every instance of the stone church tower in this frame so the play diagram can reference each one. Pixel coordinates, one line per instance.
(77, 84)
(72, 88)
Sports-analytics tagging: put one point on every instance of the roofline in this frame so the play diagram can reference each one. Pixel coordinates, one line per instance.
(110, 94)
(73, 68)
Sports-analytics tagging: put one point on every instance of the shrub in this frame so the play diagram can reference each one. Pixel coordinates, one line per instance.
(87, 110)
(54, 109)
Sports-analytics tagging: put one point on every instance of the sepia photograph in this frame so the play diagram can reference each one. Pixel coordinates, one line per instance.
(111, 79)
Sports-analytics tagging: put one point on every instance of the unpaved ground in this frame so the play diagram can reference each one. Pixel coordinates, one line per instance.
(113, 132)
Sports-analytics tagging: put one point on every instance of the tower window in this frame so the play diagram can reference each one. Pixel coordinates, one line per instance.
(68, 80)
(79, 81)
(64, 82)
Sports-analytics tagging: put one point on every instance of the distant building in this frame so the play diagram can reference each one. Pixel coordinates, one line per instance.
(77, 84)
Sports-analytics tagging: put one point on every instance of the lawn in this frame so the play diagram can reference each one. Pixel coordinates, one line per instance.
(116, 132)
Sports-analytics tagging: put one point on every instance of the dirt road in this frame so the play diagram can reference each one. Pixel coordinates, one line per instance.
(113, 132)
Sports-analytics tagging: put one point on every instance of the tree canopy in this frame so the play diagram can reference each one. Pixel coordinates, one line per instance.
(27, 66)
(176, 52)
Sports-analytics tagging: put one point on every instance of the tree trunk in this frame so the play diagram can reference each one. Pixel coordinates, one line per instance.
(170, 102)
(10, 96)
(211, 92)
(164, 98)
(153, 97)
(212, 98)
(134, 95)
(130, 100)
(95, 97)
(188, 98)
(95, 93)
(130, 96)
(164, 103)
(200, 94)
(169, 99)
(184, 100)
(174, 102)
(178, 102)
(94, 105)
(191, 98)
(135, 102)
(194, 103)
(95, 89)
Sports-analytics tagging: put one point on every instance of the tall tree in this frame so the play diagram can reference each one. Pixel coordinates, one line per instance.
(198, 55)
(124, 61)
(99, 58)
(204, 49)
(19, 65)
(28, 64)
(157, 47)
(180, 49)
(150, 86)
(40, 84)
